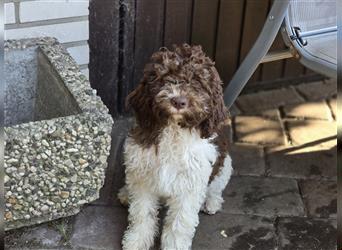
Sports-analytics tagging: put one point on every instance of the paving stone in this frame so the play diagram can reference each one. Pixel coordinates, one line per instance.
(247, 159)
(307, 234)
(303, 163)
(318, 90)
(302, 132)
(314, 110)
(51, 235)
(268, 113)
(261, 196)
(331, 80)
(268, 99)
(258, 130)
(333, 105)
(99, 227)
(235, 232)
(320, 198)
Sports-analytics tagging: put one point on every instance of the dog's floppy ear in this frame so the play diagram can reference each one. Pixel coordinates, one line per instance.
(148, 118)
(218, 111)
(140, 101)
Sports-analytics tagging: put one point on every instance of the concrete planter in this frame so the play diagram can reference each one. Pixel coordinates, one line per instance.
(57, 134)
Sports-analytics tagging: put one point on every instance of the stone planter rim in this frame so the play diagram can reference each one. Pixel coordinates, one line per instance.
(77, 84)
(91, 110)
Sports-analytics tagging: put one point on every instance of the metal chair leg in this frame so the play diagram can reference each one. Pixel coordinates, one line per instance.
(258, 51)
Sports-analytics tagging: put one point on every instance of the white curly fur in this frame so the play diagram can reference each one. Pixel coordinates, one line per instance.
(177, 172)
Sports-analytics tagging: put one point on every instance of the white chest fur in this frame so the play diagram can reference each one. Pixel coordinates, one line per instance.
(182, 163)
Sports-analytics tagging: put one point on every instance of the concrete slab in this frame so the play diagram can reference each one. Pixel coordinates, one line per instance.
(247, 159)
(99, 227)
(302, 163)
(320, 197)
(305, 233)
(51, 235)
(235, 232)
(268, 197)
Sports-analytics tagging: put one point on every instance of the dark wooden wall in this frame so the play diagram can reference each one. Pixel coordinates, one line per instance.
(124, 34)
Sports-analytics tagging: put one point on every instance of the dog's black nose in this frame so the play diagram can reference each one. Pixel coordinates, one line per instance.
(179, 102)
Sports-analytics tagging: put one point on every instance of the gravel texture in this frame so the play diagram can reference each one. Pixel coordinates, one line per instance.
(54, 166)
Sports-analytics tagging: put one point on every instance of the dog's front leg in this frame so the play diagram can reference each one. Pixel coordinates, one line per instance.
(142, 218)
(181, 221)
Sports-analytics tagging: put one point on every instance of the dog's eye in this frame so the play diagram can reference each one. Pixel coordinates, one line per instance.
(176, 82)
(151, 78)
(173, 82)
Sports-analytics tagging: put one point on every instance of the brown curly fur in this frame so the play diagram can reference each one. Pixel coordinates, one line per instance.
(221, 142)
(185, 64)
(189, 70)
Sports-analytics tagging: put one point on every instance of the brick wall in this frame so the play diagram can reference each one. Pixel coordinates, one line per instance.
(67, 20)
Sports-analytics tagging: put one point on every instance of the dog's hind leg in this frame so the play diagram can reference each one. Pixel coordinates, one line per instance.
(213, 201)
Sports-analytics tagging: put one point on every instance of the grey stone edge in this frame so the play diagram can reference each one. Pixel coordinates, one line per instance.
(93, 114)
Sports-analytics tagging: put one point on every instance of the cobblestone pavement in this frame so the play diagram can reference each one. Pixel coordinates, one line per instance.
(282, 195)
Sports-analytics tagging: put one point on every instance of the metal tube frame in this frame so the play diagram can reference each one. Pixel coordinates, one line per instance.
(309, 60)
(257, 53)
(318, 32)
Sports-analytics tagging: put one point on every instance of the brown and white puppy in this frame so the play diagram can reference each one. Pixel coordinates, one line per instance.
(178, 150)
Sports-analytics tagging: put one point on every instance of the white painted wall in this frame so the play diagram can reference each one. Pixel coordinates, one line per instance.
(67, 20)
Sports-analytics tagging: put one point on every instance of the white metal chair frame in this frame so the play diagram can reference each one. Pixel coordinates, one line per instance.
(294, 39)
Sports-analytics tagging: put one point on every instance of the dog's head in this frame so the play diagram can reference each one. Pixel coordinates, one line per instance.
(180, 86)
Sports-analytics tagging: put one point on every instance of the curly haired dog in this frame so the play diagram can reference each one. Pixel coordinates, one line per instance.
(178, 151)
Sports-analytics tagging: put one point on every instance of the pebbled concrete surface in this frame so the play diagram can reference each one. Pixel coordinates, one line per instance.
(56, 147)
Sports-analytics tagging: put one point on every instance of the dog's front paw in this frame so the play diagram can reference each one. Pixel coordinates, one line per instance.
(212, 205)
(136, 240)
(133, 245)
(123, 196)
(176, 242)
